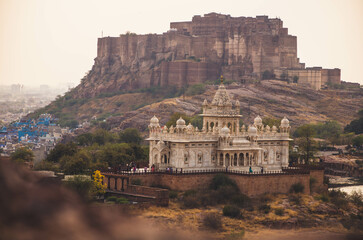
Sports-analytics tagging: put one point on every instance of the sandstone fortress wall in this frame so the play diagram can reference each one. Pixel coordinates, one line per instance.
(240, 48)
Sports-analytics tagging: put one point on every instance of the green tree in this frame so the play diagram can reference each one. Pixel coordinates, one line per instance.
(175, 116)
(102, 136)
(356, 125)
(82, 186)
(271, 122)
(328, 130)
(85, 139)
(116, 154)
(358, 141)
(195, 89)
(77, 163)
(60, 150)
(197, 121)
(22, 155)
(130, 135)
(306, 142)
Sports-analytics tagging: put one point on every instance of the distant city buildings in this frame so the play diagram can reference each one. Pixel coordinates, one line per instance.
(40, 135)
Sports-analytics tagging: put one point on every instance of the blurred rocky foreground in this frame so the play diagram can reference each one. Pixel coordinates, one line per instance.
(32, 208)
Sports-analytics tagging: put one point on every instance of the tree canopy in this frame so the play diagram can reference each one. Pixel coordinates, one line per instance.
(305, 141)
(22, 155)
(99, 149)
(271, 122)
(356, 125)
(196, 120)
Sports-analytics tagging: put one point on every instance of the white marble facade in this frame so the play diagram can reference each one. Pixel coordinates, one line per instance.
(221, 142)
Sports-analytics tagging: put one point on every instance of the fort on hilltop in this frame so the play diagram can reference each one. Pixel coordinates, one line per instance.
(241, 48)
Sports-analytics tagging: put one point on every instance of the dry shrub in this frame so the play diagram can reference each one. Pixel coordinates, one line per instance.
(231, 211)
(212, 221)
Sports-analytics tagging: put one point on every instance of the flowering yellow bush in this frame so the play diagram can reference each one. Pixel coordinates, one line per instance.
(99, 187)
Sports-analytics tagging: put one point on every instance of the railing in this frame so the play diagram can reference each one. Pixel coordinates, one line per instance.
(284, 171)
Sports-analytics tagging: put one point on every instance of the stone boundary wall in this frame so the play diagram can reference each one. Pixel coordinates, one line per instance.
(250, 184)
(161, 195)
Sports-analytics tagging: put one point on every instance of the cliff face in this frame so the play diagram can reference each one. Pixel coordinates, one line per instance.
(191, 52)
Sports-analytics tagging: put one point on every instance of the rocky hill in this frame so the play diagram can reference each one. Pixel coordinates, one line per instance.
(268, 98)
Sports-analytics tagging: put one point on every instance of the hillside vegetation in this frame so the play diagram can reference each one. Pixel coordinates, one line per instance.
(267, 98)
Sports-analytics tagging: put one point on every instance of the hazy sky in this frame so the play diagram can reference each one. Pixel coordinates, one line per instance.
(55, 41)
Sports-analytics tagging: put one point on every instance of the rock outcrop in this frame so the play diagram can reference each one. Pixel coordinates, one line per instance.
(193, 52)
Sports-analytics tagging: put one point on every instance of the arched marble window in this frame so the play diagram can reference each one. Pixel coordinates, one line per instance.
(278, 156)
(200, 157)
(227, 159)
(241, 159)
(265, 155)
(211, 126)
(221, 159)
(186, 157)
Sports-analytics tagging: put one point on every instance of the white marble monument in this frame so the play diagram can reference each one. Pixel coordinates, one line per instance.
(222, 143)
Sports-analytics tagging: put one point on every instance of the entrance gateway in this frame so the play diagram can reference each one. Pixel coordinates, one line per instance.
(221, 143)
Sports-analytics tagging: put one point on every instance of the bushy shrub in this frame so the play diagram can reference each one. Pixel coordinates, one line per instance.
(212, 221)
(339, 198)
(231, 211)
(111, 199)
(265, 198)
(265, 208)
(191, 201)
(190, 192)
(45, 165)
(195, 89)
(323, 197)
(356, 198)
(225, 194)
(279, 211)
(297, 188)
(122, 200)
(295, 198)
(80, 185)
(241, 200)
(222, 180)
(173, 194)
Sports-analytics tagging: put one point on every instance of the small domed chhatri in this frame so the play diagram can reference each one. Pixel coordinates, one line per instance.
(154, 120)
(222, 142)
(258, 121)
(285, 122)
(252, 130)
(225, 131)
(180, 122)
